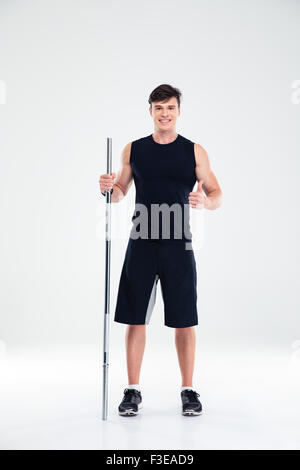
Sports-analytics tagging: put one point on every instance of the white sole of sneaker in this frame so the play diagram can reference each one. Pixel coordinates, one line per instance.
(191, 413)
(130, 411)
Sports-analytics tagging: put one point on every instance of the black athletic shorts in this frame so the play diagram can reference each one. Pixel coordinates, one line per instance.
(147, 261)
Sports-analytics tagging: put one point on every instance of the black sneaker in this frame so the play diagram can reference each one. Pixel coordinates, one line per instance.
(131, 403)
(191, 405)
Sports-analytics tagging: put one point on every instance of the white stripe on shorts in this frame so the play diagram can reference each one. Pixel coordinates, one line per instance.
(151, 300)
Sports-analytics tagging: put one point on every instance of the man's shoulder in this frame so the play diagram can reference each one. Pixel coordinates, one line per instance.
(198, 148)
(200, 153)
(133, 144)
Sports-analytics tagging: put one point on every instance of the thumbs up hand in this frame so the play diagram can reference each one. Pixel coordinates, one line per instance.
(196, 198)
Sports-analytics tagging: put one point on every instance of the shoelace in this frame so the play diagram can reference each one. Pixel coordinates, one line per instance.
(192, 395)
(129, 394)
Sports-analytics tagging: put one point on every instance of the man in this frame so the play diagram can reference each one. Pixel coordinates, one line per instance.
(165, 167)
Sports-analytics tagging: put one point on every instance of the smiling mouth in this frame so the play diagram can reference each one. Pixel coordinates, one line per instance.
(165, 121)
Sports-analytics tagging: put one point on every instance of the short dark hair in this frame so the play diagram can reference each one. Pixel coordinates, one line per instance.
(164, 93)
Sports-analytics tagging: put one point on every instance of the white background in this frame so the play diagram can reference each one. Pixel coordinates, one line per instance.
(76, 72)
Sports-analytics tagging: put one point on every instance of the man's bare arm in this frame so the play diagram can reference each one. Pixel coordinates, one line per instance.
(124, 176)
(122, 182)
(210, 184)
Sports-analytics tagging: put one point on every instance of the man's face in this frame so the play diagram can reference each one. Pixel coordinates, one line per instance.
(165, 111)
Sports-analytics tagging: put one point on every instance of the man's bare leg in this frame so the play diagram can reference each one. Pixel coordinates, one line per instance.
(185, 341)
(135, 346)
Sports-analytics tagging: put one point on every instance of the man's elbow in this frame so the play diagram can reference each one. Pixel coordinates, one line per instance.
(216, 199)
(118, 192)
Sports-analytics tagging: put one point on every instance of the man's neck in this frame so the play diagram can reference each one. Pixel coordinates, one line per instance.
(164, 137)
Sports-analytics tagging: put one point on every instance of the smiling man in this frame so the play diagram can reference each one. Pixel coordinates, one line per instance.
(165, 166)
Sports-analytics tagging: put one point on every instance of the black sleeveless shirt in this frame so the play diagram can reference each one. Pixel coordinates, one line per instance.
(164, 175)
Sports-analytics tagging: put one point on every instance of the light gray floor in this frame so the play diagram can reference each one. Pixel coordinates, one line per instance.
(53, 401)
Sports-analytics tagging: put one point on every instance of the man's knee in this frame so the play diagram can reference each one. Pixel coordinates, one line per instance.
(184, 330)
(136, 326)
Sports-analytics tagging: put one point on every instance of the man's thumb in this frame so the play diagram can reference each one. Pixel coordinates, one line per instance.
(200, 185)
